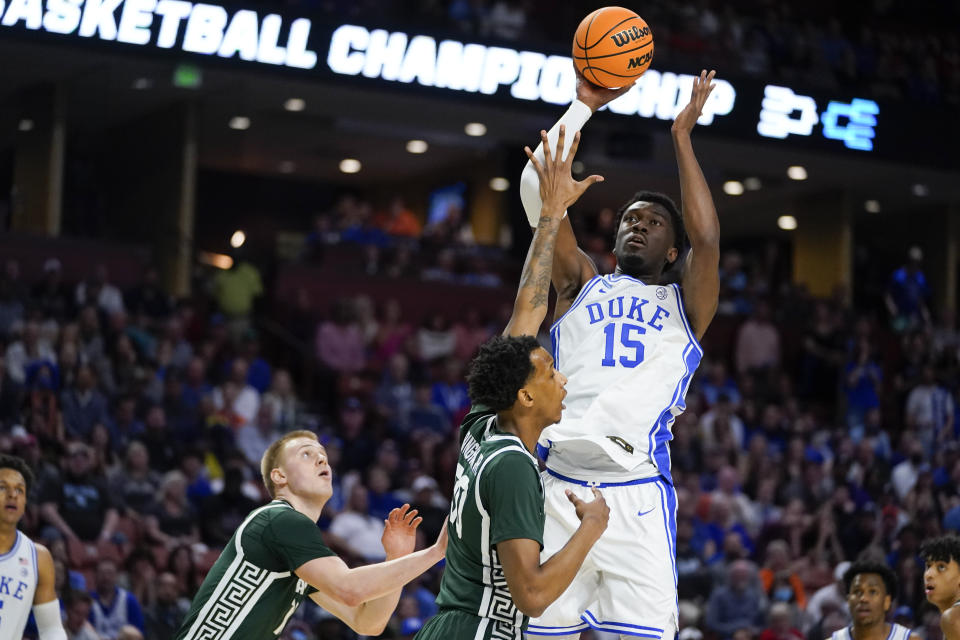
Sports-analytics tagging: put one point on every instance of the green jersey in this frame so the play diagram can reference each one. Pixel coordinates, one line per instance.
(252, 589)
(497, 496)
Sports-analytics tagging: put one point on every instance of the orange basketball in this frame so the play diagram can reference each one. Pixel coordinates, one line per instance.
(612, 47)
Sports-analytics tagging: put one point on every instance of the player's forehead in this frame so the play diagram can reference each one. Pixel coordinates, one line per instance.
(646, 207)
(542, 360)
(11, 476)
(867, 580)
(301, 444)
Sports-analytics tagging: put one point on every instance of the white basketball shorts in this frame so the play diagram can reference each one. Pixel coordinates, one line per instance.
(628, 582)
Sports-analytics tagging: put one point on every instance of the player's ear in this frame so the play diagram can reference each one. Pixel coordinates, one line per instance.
(278, 476)
(672, 254)
(524, 398)
(887, 602)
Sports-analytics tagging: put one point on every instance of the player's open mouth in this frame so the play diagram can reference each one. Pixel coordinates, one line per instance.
(324, 474)
(928, 589)
(637, 241)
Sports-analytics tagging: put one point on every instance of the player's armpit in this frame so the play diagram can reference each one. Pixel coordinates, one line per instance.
(572, 268)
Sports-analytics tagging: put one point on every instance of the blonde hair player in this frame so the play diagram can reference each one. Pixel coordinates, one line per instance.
(277, 558)
(629, 344)
(26, 568)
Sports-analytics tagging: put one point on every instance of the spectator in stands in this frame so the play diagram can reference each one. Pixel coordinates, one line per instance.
(435, 338)
(77, 605)
(728, 486)
(358, 448)
(148, 297)
(134, 487)
(863, 379)
(469, 334)
(173, 522)
(254, 438)
(721, 416)
(113, 607)
(11, 395)
(339, 341)
(28, 353)
(164, 449)
(425, 416)
(450, 392)
(392, 333)
(225, 511)
(356, 531)
(98, 290)
(830, 598)
(246, 403)
(907, 294)
(51, 297)
(80, 506)
(83, 405)
(394, 396)
(779, 582)
(235, 290)
(380, 497)
(282, 397)
(398, 220)
(163, 618)
(181, 564)
(737, 605)
(781, 624)
(758, 342)
(718, 382)
(13, 298)
(930, 411)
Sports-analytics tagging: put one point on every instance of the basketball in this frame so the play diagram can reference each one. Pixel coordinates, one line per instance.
(612, 47)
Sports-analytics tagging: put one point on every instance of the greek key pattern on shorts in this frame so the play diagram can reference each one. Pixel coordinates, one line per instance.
(504, 631)
(223, 614)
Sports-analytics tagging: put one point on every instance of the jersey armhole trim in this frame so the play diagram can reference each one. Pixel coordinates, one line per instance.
(583, 293)
(686, 322)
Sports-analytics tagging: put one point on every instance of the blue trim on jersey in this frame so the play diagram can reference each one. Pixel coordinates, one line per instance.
(660, 435)
(555, 341)
(594, 281)
(619, 276)
(542, 452)
(36, 564)
(686, 323)
(537, 630)
(621, 627)
(16, 545)
(601, 485)
(668, 502)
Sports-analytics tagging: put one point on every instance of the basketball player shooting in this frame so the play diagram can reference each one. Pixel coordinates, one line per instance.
(26, 568)
(628, 346)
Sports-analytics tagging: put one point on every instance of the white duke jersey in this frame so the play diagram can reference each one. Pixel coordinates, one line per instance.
(897, 632)
(18, 582)
(628, 353)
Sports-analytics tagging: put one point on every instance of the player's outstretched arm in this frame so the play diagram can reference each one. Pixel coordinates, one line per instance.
(346, 589)
(571, 267)
(701, 276)
(535, 586)
(46, 607)
(558, 190)
(370, 618)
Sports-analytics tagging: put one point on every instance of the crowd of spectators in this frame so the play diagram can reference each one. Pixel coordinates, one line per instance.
(816, 434)
(891, 49)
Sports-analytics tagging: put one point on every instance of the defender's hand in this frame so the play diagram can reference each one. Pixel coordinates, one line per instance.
(558, 189)
(400, 531)
(687, 118)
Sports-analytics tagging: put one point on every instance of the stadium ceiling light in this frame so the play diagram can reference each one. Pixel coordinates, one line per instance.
(787, 223)
(237, 239)
(142, 83)
(921, 190)
(287, 166)
(240, 123)
(499, 184)
(752, 183)
(218, 260)
(295, 104)
(733, 187)
(475, 129)
(350, 165)
(796, 172)
(417, 146)
(26, 124)
(872, 206)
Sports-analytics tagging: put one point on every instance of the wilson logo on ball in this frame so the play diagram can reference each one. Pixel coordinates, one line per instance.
(629, 35)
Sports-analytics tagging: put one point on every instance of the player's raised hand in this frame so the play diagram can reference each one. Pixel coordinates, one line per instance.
(687, 118)
(557, 186)
(594, 514)
(400, 531)
(595, 96)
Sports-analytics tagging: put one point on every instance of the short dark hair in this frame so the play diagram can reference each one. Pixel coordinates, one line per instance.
(501, 368)
(17, 464)
(942, 549)
(886, 574)
(665, 201)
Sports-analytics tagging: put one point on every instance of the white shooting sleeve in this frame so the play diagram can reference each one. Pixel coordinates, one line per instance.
(574, 119)
(48, 621)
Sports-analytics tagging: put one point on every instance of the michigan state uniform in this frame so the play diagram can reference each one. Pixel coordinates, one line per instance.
(252, 589)
(628, 353)
(897, 632)
(497, 496)
(18, 584)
